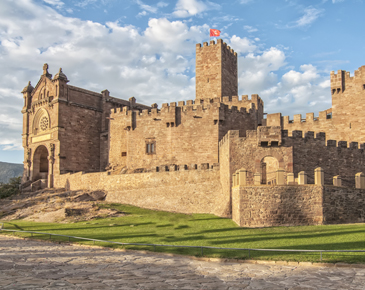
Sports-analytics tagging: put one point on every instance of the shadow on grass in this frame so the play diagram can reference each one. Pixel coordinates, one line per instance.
(282, 236)
(90, 227)
(164, 226)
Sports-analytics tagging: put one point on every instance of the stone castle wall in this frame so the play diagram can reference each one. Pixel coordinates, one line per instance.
(79, 136)
(190, 191)
(296, 153)
(263, 206)
(182, 134)
(343, 205)
(344, 121)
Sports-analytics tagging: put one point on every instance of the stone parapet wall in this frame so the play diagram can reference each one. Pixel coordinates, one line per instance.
(196, 191)
(265, 206)
(294, 153)
(343, 205)
(292, 205)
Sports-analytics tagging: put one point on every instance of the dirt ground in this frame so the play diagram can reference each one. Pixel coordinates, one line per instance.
(55, 205)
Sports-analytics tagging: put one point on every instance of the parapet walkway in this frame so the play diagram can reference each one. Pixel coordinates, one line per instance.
(27, 264)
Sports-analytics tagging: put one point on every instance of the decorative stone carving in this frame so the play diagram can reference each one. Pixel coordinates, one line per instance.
(44, 123)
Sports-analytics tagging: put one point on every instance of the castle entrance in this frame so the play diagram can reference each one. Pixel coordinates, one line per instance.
(269, 166)
(40, 163)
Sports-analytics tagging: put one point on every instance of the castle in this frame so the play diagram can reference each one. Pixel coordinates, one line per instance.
(215, 154)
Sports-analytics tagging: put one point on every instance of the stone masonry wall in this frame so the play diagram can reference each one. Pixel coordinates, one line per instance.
(289, 205)
(192, 191)
(335, 158)
(260, 206)
(344, 121)
(216, 70)
(184, 135)
(343, 205)
(79, 136)
(246, 152)
(295, 153)
(348, 93)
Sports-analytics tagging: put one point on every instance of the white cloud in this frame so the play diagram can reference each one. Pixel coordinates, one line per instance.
(242, 45)
(84, 3)
(56, 3)
(162, 4)
(149, 8)
(257, 70)
(298, 90)
(310, 15)
(249, 28)
(187, 8)
(143, 13)
(309, 73)
(337, 1)
(245, 1)
(146, 7)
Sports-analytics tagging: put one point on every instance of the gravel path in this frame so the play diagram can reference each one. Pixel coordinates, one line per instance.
(27, 264)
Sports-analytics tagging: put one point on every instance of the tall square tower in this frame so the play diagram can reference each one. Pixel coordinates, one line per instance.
(216, 70)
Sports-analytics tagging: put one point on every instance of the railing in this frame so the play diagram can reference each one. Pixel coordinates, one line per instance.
(182, 246)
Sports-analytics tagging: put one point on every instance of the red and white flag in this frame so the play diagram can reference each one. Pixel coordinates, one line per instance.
(214, 32)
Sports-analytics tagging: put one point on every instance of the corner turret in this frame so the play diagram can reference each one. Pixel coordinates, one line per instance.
(27, 91)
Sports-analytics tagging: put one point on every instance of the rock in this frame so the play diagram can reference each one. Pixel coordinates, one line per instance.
(97, 195)
(84, 197)
(74, 211)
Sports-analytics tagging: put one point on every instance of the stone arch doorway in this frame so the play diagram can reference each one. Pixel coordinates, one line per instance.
(269, 166)
(40, 163)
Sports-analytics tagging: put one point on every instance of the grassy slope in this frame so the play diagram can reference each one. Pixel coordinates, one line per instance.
(146, 226)
(9, 170)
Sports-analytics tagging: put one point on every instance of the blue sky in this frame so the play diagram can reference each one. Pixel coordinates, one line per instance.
(146, 49)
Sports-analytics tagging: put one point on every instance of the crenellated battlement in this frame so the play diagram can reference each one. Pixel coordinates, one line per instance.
(302, 136)
(342, 80)
(268, 136)
(212, 43)
(309, 118)
(209, 108)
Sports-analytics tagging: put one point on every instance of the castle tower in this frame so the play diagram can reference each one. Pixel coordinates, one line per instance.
(216, 70)
(348, 95)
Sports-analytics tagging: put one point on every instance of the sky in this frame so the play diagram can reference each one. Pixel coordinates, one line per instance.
(146, 49)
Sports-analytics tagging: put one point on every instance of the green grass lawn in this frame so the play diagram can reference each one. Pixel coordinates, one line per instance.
(158, 227)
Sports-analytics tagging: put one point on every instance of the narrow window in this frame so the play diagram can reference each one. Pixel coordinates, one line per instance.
(150, 147)
(124, 154)
(363, 86)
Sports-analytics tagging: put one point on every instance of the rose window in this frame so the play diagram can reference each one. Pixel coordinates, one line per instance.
(43, 124)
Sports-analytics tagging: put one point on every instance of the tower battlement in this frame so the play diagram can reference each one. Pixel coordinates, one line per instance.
(219, 43)
(343, 80)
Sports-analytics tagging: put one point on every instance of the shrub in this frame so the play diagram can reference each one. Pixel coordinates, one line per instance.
(8, 189)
